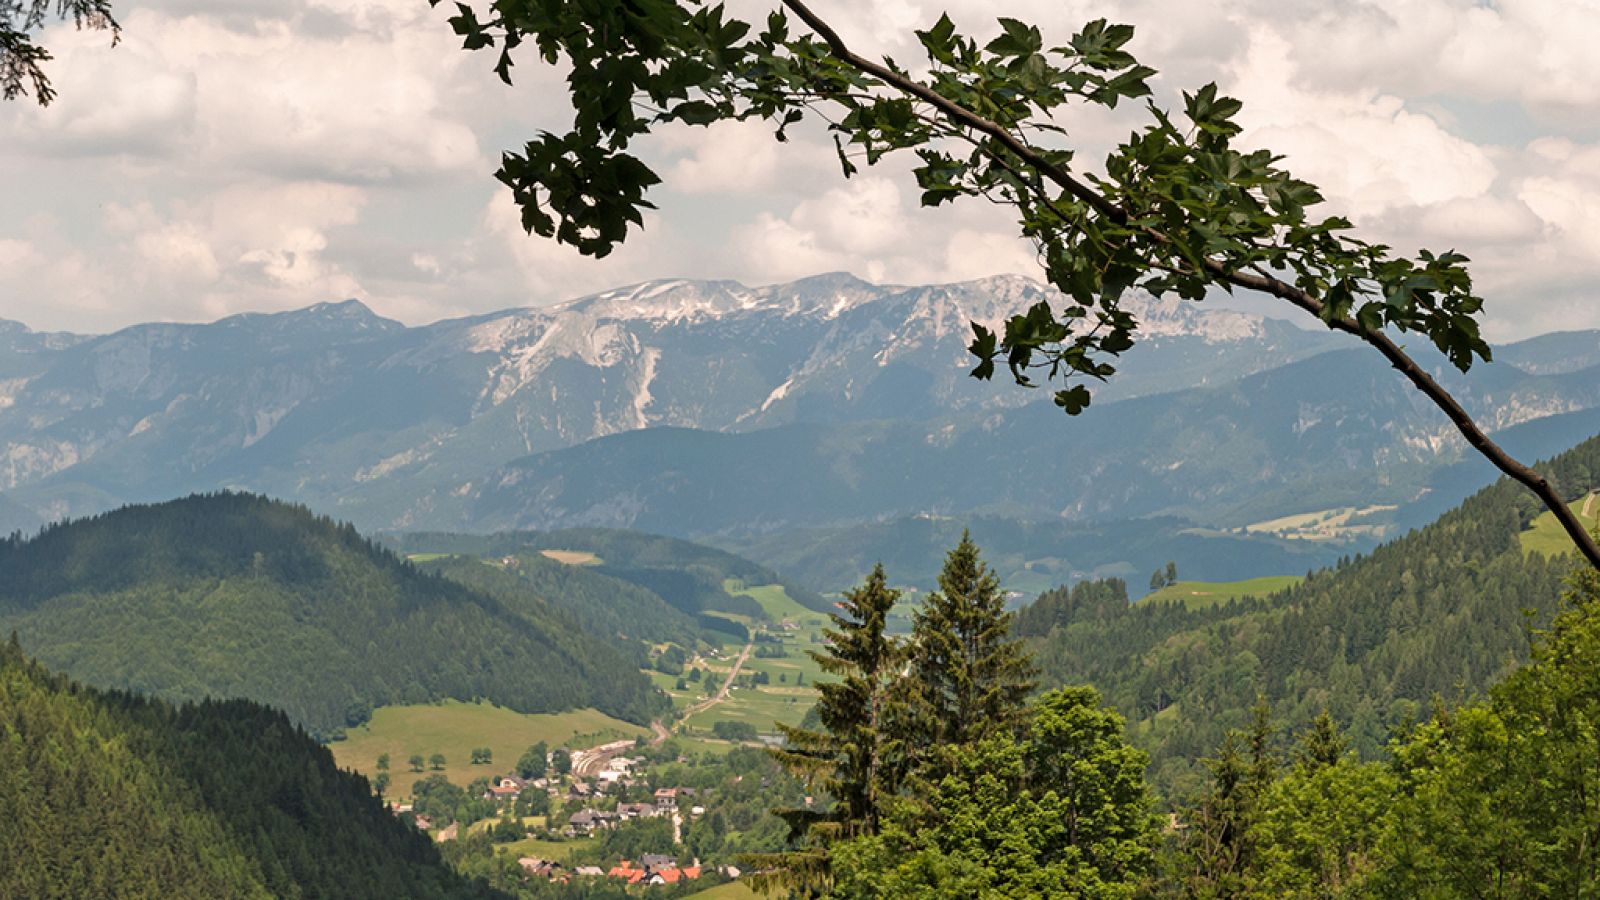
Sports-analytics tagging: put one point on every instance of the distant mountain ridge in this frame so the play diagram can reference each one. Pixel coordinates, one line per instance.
(335, 406)
(449, 426)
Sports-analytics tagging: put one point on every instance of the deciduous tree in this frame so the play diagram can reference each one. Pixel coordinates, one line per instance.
(1178, 209)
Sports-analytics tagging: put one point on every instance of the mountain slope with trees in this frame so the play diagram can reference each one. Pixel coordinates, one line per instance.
(109, 794)
(234, 595)
(689, 577)
(1442, 612)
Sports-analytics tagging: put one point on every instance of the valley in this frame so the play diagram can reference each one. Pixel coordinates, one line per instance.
(631, 609)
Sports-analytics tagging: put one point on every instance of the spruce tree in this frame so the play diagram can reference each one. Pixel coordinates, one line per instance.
(849, 757)
(970, 677)
(1218, 852)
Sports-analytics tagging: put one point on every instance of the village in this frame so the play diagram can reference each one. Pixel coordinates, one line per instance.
(555, 823)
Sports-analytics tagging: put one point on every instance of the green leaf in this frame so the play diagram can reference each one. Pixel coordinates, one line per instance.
(1073, 400)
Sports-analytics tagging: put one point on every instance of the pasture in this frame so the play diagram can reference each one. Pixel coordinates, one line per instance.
(1201, 594)
(1546, 536)
(455, 729)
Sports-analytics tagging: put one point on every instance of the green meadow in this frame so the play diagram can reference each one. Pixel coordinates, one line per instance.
(1201, 594)
(455, 729)
(1546, 536)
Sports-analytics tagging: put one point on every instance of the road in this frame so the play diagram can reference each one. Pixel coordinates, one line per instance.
(590, 763)
(727, 685)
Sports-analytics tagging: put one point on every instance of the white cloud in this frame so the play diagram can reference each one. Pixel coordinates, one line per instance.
(728, 157)
(244, 154)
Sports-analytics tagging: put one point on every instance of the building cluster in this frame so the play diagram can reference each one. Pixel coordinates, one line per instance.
(589, 820)
(649, 869)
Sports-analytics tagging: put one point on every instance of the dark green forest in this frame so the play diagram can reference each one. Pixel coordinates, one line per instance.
(1442, 612)
(234, 595)
(111, 794)
(603, 605)
(687, 575)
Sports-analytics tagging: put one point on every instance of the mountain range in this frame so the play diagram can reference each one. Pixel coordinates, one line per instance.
(709, 409)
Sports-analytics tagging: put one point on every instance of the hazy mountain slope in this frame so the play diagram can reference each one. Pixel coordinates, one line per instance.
(396, 427)
(239, 596)
(1029, 557)
(335, 406)
(1338, 429)
(112, 795)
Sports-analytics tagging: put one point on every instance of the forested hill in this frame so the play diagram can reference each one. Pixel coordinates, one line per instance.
(114, 795)
(1439, 612)
(689, 576)
(234, 595)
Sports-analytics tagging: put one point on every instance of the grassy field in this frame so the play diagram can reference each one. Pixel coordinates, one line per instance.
(454, 729)
(775, 601)
(733, 890)
(1200, 594)
(426, 557)
(558, 851)
(1545, 534)
(1324, 525)
(573, 557)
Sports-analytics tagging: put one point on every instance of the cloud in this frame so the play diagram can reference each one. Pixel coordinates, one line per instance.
(727, 158)
(247, 154)
(361, 104)
(867, 227)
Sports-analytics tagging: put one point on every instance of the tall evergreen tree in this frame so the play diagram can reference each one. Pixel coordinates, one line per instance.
(970, 677)
(1217, 856)
(850, 756)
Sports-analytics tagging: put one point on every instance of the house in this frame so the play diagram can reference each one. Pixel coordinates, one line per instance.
(590, 871)
(544, 868)
(673, 875)
(580, 789)
(629, 811)
(423, 824)
(509, 788)
(587, 821)
(582, 822)
(656, 861)
(449, 833)
(626, 872)
(667, 798)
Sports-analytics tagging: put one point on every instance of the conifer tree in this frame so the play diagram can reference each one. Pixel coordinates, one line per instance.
(850, 757)
(970, 678)
(1218, 848)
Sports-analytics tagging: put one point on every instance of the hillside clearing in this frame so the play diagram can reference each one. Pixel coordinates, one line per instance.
(1341, 523)
(1546, 536)
(572, 557)
(1201, 594)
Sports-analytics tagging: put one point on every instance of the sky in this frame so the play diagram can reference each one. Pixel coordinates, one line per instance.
(263, 155)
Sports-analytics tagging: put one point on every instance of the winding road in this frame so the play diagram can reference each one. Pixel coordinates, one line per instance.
(727, 685)
(591, 762)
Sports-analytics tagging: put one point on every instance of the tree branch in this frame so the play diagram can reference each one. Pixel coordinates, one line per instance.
(1416, 374)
